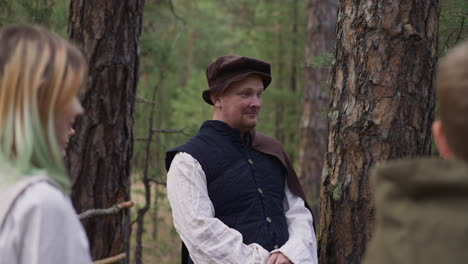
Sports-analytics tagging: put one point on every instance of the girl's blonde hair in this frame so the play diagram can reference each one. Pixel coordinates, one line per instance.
(40, 74)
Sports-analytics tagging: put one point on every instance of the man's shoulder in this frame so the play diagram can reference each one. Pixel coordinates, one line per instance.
(197, 147)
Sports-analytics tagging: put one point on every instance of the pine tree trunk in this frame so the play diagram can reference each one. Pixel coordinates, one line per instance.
(313, 146)
(382, 107)
(100, 153)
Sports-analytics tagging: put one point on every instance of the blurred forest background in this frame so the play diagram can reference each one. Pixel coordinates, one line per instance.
(179, 39)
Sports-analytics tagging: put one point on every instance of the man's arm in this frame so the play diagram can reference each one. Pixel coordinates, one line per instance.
(301, 246)
(207, 238)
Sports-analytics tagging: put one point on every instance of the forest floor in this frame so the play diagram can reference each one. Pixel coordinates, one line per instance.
(162, 245)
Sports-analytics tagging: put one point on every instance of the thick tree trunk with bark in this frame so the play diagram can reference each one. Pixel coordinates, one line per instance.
(313, 146)
(100, 153)
(382, 107)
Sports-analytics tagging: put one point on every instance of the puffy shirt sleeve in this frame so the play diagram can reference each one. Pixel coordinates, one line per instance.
(301, 246)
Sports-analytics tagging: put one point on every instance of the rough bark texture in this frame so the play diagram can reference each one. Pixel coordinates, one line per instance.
(321, 20)
(382, 107)
(100, 153)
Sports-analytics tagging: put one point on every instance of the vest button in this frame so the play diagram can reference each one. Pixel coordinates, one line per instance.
(268, 219)
(250, 161)
(260, 190)
(276, 246)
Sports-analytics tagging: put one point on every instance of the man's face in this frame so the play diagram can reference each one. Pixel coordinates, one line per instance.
(240, 104)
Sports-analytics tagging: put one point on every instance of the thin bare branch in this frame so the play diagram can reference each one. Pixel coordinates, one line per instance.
(171, 6)
(170, 131)
(142, 211)
(134, 221)
(108, 211)
(163, 131)
(113, 259)
(446, 43)
(141, 99)
(462, 22)
(156, 182)
(141, 139)
(454, 14)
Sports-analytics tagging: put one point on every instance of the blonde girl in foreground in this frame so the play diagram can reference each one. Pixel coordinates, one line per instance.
(40, 75)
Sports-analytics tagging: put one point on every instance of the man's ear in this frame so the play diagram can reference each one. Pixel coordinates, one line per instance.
(441, 140)
(215, 99)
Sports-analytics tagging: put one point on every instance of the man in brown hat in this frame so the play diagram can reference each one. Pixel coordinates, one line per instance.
(234, 194)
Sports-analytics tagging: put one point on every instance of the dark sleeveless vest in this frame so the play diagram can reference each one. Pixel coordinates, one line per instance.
(245, 186)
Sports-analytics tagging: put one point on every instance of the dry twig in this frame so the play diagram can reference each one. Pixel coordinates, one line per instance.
(143, 100)
(142, 211)
(108, 211)
(113, 259)
(170, 131)
(156, 182)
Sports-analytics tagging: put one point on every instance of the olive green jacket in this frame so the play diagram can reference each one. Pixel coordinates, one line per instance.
(421, 212)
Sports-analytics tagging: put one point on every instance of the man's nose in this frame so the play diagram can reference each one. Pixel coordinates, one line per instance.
(256, 102)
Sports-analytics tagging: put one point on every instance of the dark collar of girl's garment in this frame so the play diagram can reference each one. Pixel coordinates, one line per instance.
(221, 128)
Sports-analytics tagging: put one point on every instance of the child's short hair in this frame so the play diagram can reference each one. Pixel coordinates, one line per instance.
(452, 95)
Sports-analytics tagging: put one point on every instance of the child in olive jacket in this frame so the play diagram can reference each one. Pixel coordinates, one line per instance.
(422, 205)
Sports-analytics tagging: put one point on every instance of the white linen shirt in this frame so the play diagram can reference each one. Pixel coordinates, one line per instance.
(209, 240)
(42, 227)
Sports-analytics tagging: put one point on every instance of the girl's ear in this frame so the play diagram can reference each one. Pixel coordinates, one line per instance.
(441, 140)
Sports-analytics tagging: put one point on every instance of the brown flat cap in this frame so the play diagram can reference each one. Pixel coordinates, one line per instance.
(232, 68)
